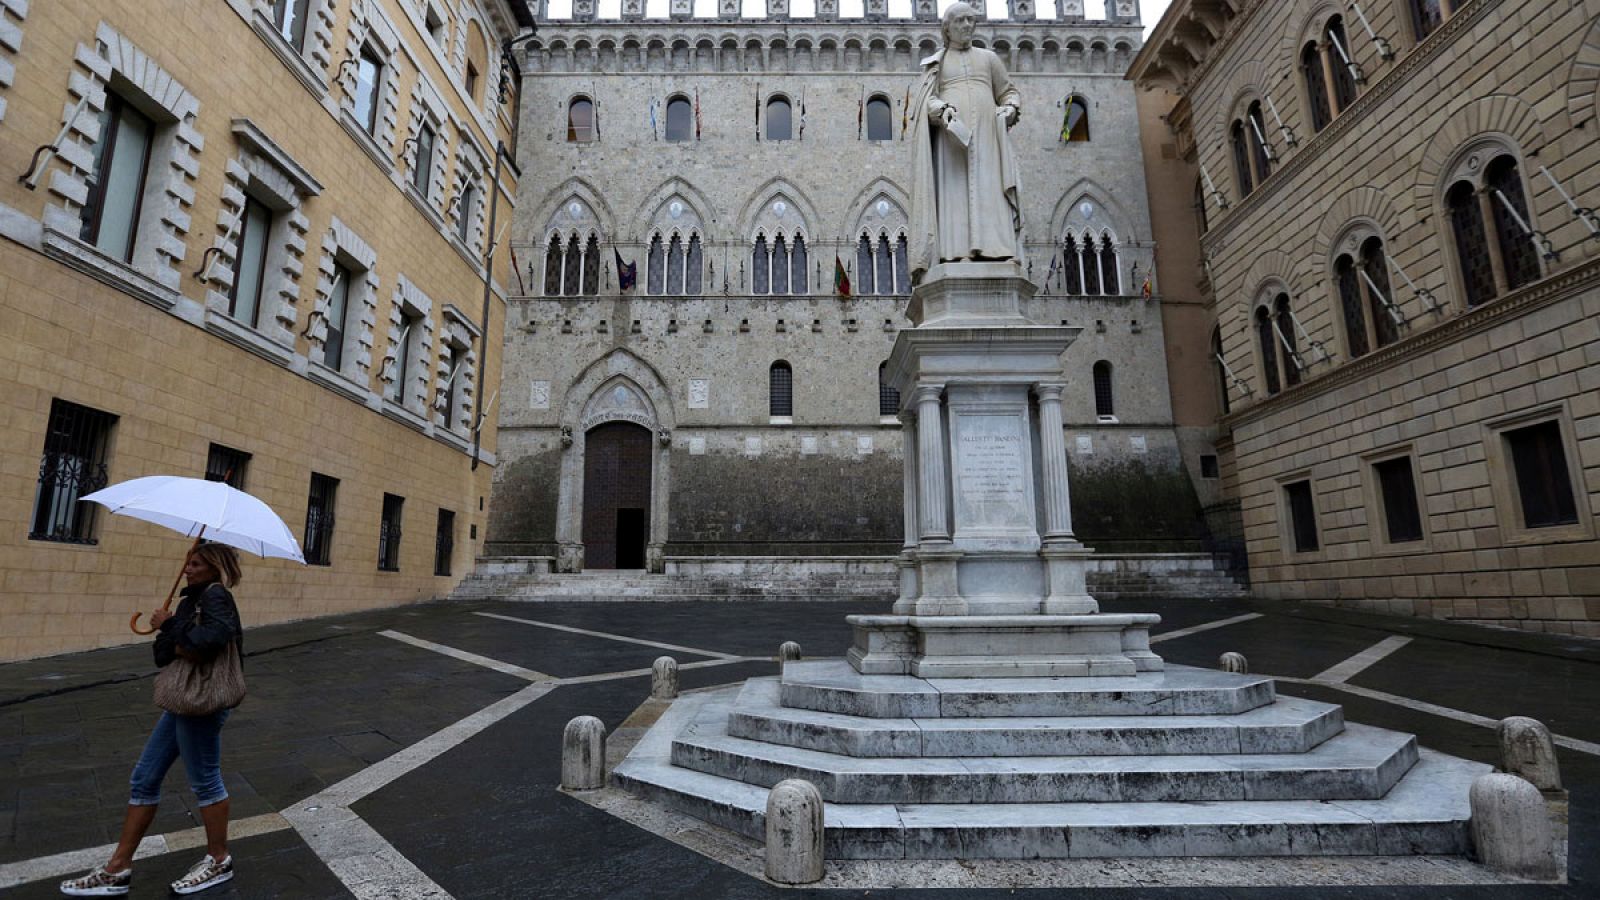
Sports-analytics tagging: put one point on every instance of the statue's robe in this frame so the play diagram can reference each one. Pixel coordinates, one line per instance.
(964, 198)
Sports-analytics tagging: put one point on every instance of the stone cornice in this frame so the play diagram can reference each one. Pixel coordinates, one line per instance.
(1285, 178)
(1536, 296)
(1218, 49)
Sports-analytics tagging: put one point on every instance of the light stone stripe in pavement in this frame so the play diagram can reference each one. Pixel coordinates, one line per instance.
(1359, 663)
(637, 673)
(611, 637)
(76, 862)
(1196, 629)
(1570, 743)
(367, 865)
(464, 656)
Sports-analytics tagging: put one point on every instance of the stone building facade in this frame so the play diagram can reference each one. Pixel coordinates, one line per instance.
(249, 241)
(731, 162)
(1404, 273)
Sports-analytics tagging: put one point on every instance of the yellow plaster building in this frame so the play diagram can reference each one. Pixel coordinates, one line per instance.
(249, 239)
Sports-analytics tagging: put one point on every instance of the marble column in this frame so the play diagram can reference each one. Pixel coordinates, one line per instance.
(933, 483)
(1053, 447)
(907, 563)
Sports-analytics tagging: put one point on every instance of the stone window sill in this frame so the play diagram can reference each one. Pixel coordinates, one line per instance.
(452, 439)
(242, 335)
(780, 420)
(337, 381)
(406, 417)
(91, 261)
(425, 207)
(366, 142)
(291, 58)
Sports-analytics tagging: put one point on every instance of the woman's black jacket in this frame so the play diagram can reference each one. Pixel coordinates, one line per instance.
(218, 624)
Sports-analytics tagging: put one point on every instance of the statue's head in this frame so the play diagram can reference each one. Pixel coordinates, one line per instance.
(960, 21)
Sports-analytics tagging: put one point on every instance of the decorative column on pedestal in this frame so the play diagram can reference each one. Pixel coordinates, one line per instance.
(1064, 556)
(938, 594)
(907, 559)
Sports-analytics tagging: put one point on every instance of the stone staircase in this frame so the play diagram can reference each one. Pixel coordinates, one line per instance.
(1161, 576)
(1185, 762)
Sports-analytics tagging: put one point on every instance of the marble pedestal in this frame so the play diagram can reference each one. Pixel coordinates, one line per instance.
(993, 583)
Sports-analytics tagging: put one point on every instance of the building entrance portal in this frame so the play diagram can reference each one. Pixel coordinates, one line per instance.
(616, 496)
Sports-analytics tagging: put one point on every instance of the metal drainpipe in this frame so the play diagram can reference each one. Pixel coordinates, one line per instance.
(500, 156)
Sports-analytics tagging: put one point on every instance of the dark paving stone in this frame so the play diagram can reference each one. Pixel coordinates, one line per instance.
(1273, 645)
(276, 865)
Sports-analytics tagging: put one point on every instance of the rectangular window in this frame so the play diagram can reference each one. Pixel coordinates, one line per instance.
(1302, 516)
(290, 18)
(452, 411)
(1208, 466)
(227, 465)
(403, 361)
(469, 199)
(444, 542)
(471, 80)
(338, 310)
(369, 76)
(389, 534)
(1544, 482)
(110, 215)
(75, 444)
(1397, 488)
(319, 520)
(250, 268)
(422, 171)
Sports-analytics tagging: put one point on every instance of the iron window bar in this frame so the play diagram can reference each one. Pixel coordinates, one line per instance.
(1313, 343)
(208, 260)
(1385, 52)
(1289, 138)
(1583, 213)
(47, 152)
(73, 464)
(1423, 294)
(1388, 305)
(1211, 186)
(1233, 379)
(1266, 145)
(1288, 347)
(1541, 242)
(1344, 56)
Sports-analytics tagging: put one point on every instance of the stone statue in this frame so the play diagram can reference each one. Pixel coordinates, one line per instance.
(964, 198)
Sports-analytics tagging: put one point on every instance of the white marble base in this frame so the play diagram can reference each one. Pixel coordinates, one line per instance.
(1003, 646)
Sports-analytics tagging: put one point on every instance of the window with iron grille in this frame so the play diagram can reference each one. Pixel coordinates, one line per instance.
(1544, 483)
(444, 542)
(227, 464)
(780, 384)
(1102, 390)
(319, 520)
(74, 463)
(888, 394)
(1397, 487)
(1302, 516)
(389, 534)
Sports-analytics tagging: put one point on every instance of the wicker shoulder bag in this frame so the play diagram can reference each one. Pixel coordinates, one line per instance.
(188, 688)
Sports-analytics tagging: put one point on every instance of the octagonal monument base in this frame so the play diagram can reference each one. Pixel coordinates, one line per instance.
(1003, 646)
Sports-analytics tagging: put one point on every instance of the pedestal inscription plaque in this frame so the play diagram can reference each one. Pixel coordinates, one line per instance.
(991, 475)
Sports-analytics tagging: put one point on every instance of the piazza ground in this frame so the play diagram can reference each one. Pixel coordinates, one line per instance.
(358, 711)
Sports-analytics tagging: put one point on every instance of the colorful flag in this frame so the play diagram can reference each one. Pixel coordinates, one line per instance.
(653, 134)
(596, 116)
(861, 112)
(802, 114)
(841, 281)
(758, 111)
(1145, 291)
(517, 270)
(905, 110)
(697, 114)
(627, 273)
(1070, 116)
(1049, 276)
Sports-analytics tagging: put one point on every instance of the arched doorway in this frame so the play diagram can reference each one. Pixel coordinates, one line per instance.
(616, 495)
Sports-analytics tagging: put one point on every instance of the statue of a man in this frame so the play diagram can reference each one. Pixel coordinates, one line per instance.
(964, 199)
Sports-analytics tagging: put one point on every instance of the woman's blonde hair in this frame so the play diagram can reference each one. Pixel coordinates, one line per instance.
(222, 558)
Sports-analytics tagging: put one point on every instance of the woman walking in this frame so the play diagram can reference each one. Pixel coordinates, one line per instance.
(205, 633)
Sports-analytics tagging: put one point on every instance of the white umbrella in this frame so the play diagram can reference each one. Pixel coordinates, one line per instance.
(201, 509)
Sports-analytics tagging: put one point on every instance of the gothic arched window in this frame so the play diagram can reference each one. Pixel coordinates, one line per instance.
(1075, 121)
(760, 267)
(780, 119)
(1110, 272)
(799, 283)
(1072, 266)
(580, 120)
(902, 265)
(864, 284)
(1284, 325)
(1268, 344)
(694, 268)
(1471, 243)
(888, 394)
(1260, 154)
(1352, 306)
(1341, 64)
(591, 267)
(572, 266)
(552, 267)
(1375, 266)
(1241, 159)
(656, 262)
(780, 389)
(1089, 259)
(780, 265)
(675, 266)
(1103, 406)
(880, 118)
(1504, 185)
(680, 119)
(1316, 86)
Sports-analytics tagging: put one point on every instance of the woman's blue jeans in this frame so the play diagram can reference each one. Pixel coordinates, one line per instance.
(198, 739)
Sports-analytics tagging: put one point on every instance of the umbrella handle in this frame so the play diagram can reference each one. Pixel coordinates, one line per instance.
(133, 622)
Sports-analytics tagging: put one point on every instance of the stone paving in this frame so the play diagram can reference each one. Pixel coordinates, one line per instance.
(414, 752)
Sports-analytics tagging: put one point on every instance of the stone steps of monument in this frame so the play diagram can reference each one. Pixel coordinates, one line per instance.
(1360, 763)
(832, 686)
(1425, 812)
(1288, 726)
(640, 587)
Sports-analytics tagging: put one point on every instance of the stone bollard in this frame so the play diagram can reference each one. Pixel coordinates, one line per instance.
(787, 652)
(1511, 827)
(794, 833)
(583, 754)
(664, 678)
(1235, 663)
(1527, 752)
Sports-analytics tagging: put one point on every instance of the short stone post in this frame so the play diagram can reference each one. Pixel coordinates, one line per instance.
(794, 833)
(1527, 751)
(1511, 827)
(1235, 663)
(788, 651)
(583, 754)
(664, 678)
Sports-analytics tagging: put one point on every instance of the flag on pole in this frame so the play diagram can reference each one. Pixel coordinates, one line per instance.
(697, 114)
(516, 269)
(596, 113)
(905, 110)
(802, 113)
(627, 273)
(1049, 276)
(861, 111)
(1145, 291)
(1070, 116)
(653, 133)
(758, 112)
(841, 281)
